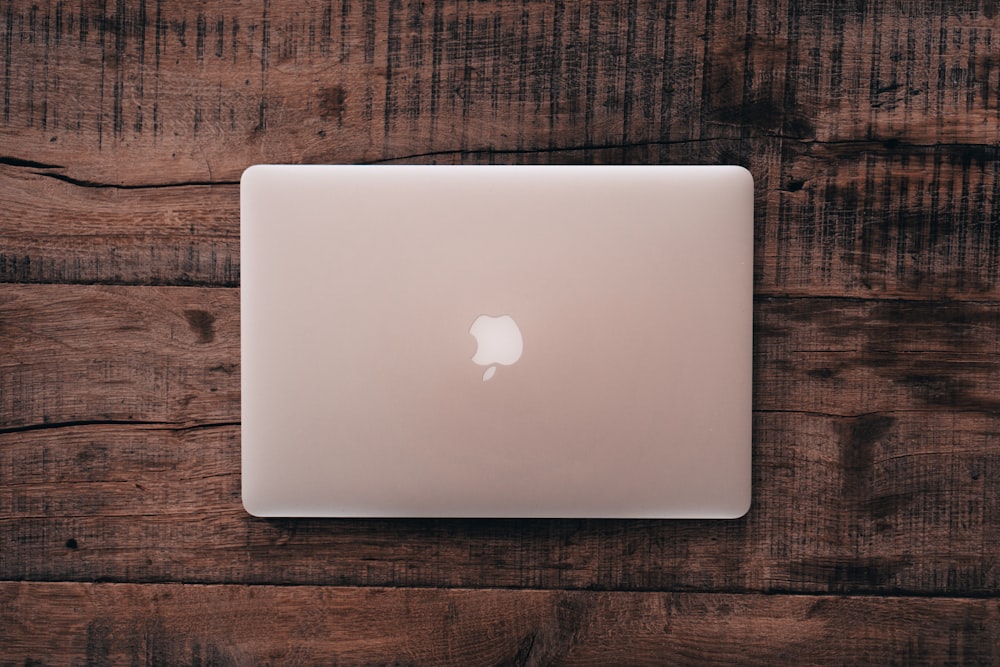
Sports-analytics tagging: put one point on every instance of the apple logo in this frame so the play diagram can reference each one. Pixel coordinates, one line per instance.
(498, 341)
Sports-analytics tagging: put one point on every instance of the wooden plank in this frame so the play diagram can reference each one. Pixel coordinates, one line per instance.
(832, 222)
(901, 503)
(234, 625)
(852, 357)
(875, 452)
(168, 354)
(57, 232)
(858, 220)
(106, 354)
(193, 91)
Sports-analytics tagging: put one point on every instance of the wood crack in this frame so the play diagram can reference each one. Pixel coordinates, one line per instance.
(987, 152)
(154, 425)
(863, 415)
(901, 594)
(132, 186)
(846, 299)
(29, 164)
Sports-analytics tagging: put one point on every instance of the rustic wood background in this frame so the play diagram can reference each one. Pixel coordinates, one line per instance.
(873, 131)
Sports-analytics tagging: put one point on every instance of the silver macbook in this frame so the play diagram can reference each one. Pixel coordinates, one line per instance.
(479, 341)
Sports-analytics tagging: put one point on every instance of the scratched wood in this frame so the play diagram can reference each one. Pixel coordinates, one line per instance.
(58, 232)
(823, 226)
(873, 133)
(71, 354)
(872, 129)
(877, 445)
(163, 92)
(235, 625)
(170, 354)
(901, 503)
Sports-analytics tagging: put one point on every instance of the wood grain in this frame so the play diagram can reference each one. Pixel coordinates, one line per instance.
(891, 504)
(169, 354)
(877, 445)
(57, 232)
(236, 625)
(85, 354)
(873, 133)
(873, 130)
(173, 92)
(823, 227)
(854, 357)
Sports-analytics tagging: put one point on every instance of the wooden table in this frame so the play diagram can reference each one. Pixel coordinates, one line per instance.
(873, 131)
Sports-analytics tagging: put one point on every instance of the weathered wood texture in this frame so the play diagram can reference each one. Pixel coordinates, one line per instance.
(236, 625)
(872, 128)
(877, 448)
(873, 132)
(168, 92)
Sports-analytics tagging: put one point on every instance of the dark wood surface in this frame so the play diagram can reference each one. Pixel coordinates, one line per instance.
(873, 133)
(236, 625)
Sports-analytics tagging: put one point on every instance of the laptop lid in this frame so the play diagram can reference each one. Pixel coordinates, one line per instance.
(496, 341)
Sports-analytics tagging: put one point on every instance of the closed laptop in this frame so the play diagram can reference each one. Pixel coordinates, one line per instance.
(496, 341)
